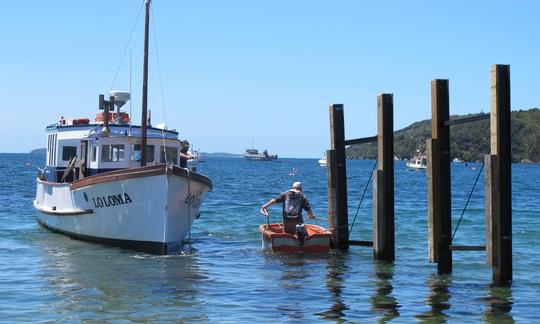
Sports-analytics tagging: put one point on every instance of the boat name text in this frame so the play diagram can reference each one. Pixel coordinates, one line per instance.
(193, 201)
(111, 200)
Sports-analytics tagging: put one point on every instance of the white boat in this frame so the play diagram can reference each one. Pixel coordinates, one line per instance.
(418, 162)
(323, 161)
(254, 155)
(97, 186)
(197, 157)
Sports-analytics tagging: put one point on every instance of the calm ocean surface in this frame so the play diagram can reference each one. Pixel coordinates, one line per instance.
(225, 277)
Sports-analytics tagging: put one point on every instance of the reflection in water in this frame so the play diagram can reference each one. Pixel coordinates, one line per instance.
(382, 301)
(292, 281)
(300, 285)
(499, 304)
(438, 299)
(336, 269)
(98, 283)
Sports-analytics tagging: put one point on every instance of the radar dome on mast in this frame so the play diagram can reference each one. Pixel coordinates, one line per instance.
(120, 98)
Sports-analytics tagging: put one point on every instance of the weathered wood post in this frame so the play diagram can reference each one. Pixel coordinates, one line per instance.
(434, 228)
(383, 184)
(499, 178)
(331, 181)
(439, 189)
(337, 139)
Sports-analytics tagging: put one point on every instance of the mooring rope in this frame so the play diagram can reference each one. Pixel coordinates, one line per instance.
(189, 211)
(468, 199)
(363, 195)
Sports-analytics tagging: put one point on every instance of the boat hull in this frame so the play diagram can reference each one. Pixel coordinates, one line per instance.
(146, 208)
(418, 167)
(260, 158)
(274, 238)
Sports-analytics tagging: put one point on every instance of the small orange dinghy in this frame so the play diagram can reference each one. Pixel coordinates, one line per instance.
(315, 239)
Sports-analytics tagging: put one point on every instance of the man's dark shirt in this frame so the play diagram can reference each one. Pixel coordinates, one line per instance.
(183, 161)
(293, 203)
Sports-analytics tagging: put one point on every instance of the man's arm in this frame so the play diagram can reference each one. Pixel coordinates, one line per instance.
(268, 204)
(308, 209)
(186, 156)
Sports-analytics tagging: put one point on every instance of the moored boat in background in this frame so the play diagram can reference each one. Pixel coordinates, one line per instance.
(254, 155)
(417, 162)
(323, 161)
(197, 157)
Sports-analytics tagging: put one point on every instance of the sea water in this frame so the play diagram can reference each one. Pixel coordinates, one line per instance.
(224, 276)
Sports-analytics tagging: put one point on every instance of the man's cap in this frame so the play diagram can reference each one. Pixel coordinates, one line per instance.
(297, 185)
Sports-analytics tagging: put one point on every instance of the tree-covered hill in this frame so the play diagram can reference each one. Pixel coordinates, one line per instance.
(468, 142)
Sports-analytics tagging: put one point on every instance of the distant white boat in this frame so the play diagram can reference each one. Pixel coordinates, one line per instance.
(254, 155)
(417, 162)
(197, 157)
(323, 162)
(457, 160)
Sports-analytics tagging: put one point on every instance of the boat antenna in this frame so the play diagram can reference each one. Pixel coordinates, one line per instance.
(145, 85)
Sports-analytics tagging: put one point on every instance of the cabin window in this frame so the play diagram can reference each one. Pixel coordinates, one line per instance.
(94, 153)
(136, 153)
(68, 152)
(112, 153)
(169, 154)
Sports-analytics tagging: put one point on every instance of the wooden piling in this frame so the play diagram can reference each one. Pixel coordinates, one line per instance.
(500, 185)
(440, 188)
(337, 142)
(331, 181)
(490, 167)
(434, 230)
(383, 216)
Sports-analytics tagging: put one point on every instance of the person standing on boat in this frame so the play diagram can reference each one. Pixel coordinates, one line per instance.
(293, 202)
(184, 155)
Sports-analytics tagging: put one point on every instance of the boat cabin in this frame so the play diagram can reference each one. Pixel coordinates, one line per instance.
(77, 148)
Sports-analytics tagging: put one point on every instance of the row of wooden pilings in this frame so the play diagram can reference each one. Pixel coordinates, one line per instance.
(497, 176)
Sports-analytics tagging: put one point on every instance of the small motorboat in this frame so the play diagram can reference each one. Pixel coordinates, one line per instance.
(309, 238)
(418, 162)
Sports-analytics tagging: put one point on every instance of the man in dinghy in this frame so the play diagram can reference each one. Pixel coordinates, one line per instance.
(293, 202)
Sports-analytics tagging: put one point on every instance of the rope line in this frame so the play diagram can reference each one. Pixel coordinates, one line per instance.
(467, 203)
(363, 195)
(125, 49)
(158, 67)
(189, 211)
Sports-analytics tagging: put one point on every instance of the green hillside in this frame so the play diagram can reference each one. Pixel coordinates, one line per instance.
(468, 142)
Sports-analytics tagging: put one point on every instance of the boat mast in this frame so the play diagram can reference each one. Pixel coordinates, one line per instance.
(145, 85)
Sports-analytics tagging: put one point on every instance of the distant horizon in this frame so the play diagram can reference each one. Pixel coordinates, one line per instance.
(239, 155)
(291, 157)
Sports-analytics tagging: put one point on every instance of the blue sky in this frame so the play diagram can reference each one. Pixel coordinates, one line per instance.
(236, 73)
